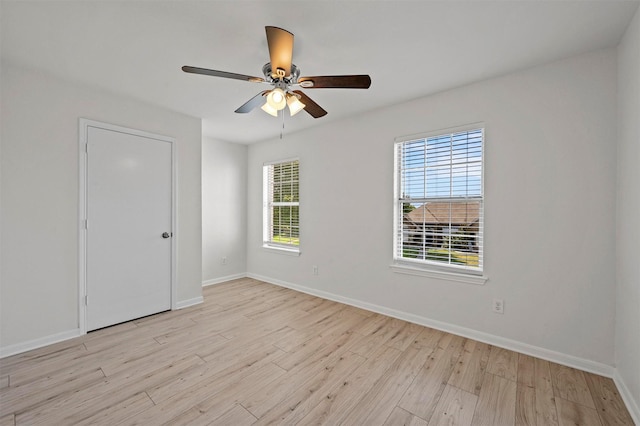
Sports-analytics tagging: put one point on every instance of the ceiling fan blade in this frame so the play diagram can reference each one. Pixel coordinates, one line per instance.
(280, 49)
(252, 103)
(314, 110)
(223, 74)
(336, 82)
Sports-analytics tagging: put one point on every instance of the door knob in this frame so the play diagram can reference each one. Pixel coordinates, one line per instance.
(165, 235)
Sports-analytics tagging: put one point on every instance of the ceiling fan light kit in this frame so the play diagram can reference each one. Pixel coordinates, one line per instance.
(276, 99)
(295, 106)
(283, 75)
(269, 109)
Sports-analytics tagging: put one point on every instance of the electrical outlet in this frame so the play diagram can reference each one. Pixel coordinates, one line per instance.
(315, 270)
(224, 260)
(498, 306)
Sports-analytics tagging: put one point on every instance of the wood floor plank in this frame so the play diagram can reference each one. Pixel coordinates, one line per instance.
(198, 331)
(375, 323)
(311, 304)
(317, 346)
(404, 336)
(72, 407)
(503, 363)
(526, 370)
(262, 399)
(325, 306)
(152, 327)
(455, 408)
(195, 373)
(402, 417)
(32, 395)
(526, 411)
(118, 412)
(237, 416)
(572, 414)
(608, 401)
(345, 320)
(283, 314)
(367, 344)
(118, 349)
(381, 399)
(292, 340)
(298, 404)
(218, 403)
(284, 301)
(429, 337)
(469, 371)
(317, 317)
(39, 356)
(256, 353)
(546, 411)
(341, 399)
(134, 360)
(255, 329)
(422, 396)
(496, 402)
(249, 297)
(381, 335)
(571, 385)
(224, 366)
(203, 390)
(525, 406)
(234, 348)
(35, 368)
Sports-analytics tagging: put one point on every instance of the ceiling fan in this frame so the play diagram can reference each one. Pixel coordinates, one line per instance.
(283, 75)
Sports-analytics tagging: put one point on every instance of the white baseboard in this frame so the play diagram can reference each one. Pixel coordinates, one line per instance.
(214, 281)
(70, 334)
(514, 345)
(627, 397)
(38, 343)
(189, 302)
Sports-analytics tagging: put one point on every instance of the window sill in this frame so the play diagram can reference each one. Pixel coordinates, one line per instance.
(443, 275)
(281, 250)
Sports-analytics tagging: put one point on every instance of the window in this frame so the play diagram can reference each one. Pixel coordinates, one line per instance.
(439, 201)
(281, 205)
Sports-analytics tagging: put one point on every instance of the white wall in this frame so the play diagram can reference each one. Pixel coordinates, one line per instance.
(39, 248)
(550, 176)
(627, 342)
(224, 210)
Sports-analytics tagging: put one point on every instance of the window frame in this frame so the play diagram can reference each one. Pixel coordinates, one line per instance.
(432, 268)
(268, 203)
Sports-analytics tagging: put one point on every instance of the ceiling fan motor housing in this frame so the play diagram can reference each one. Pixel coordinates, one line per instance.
(272, 77)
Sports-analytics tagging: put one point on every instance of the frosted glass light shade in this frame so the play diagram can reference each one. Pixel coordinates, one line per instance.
(276, 99)
(269, 109)
(295, 106)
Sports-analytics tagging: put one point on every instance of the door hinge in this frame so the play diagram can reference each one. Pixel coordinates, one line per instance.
(86, 300)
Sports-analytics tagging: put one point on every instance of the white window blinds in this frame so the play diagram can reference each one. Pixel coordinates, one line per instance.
(439, 201)
(282, 204)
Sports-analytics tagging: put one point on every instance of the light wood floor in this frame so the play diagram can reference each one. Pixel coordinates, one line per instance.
(255, 353)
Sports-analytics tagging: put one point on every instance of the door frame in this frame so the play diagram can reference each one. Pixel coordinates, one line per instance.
(83, 132)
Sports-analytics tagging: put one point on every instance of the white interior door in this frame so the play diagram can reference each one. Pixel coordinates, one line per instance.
(129, 208)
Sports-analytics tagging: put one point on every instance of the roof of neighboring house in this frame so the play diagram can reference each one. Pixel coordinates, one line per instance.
(439, 213)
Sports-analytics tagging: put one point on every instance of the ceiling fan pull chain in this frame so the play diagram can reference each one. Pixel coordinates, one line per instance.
(282, 130)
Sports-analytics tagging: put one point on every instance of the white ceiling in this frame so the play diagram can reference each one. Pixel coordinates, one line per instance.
(410, 48)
